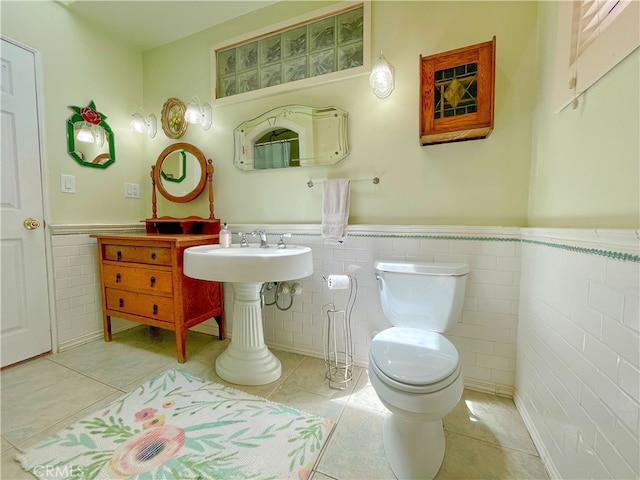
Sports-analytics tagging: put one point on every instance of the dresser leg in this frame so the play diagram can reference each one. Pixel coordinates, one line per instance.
(107, 328)
(220, 321)
(181, 346)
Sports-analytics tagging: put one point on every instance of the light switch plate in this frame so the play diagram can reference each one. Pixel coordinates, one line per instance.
(67, 183)
(132, 190)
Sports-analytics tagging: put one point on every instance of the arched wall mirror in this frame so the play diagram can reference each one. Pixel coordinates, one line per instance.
(181, 174)
(89, 137)
(291, 136)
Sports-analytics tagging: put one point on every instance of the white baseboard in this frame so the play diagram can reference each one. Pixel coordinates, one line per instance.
(117, 325)
(552, 471)
(497, 389)
(491, 388)
(210, 327)
(76, 342)
(299, 349)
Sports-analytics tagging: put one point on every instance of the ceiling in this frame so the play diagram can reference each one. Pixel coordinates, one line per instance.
(146, 24)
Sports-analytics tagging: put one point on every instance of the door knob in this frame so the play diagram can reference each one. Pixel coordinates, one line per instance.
(31, 223)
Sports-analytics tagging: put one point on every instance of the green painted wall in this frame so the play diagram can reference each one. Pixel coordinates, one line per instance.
(80, 64)
(578, 168)
(482, 182)
(586, 162)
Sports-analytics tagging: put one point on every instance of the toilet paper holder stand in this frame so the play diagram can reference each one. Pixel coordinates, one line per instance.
(338, 342)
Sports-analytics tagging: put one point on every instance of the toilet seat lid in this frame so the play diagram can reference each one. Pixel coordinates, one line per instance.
(413, 356)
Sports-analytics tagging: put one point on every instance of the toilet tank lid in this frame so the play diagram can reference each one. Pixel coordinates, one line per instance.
(422, 268)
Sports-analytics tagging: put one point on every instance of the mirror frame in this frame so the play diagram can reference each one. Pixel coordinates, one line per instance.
(288, 117)
(90, 115)
(157, 176)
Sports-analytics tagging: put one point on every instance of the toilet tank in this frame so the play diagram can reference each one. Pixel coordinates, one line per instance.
(421, 295)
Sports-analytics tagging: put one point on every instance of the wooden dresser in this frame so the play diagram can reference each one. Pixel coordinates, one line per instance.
(142, 280)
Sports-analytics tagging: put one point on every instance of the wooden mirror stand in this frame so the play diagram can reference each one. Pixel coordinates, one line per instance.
(187, 225)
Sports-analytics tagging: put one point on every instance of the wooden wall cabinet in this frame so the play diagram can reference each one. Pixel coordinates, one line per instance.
(457, 90)
(142, 280)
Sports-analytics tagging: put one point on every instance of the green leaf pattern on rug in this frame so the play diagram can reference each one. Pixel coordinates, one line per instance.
(83, 439)
(113, 428)
(177, 426)
(311, 437)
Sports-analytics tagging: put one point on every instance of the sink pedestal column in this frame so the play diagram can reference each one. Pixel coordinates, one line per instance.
(247, 360)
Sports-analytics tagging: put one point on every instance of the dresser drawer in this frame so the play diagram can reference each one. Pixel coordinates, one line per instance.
(132, 278)
(150, 306)
(128, 253)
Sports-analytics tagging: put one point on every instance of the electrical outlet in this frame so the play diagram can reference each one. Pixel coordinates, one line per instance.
(131, 190)
(67, 183)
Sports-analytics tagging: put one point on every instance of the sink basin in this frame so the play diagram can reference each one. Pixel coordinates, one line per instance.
(248, 264)
(247, 360)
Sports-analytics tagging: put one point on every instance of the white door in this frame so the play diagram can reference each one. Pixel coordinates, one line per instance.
(25, 326)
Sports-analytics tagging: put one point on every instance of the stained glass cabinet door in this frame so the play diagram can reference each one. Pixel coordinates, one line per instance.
(457, 90)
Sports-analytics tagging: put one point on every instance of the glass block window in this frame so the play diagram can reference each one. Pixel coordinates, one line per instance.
(321, 46)
(456, 91)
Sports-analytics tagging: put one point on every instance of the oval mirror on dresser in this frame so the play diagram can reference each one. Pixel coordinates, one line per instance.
(181, 174)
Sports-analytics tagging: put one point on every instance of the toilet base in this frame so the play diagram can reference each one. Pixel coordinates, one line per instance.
(414, 449)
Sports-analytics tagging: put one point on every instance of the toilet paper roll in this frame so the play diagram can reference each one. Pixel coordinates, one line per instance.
(338, 282)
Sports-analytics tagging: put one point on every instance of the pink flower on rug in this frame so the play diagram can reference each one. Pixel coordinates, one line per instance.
(146, 451)
(145, 414)
(305, 472)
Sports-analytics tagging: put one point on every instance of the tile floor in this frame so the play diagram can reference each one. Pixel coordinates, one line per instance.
(485, 436)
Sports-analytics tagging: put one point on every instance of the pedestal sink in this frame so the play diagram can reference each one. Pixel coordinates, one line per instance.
(247, 360)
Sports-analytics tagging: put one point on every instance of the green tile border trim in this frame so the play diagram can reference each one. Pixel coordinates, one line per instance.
(627, 257)
(437, 237)
(408, 236)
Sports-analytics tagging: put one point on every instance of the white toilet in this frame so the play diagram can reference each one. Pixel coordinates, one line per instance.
(412, 367)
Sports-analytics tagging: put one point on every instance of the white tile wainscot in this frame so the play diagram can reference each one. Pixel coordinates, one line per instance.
(78, 301)
(77, 289)
(486, 335)
(578, 363)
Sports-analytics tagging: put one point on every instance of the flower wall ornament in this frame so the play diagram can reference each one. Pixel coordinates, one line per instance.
(94, 147)
(172, 118)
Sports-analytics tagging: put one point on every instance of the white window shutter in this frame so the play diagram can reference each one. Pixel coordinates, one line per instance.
(590, 18)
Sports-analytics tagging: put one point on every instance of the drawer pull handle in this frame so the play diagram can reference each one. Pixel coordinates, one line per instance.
(153, 255)
(153, 281)
(119, 255)
(155, 309)
(121, 303)
(118, 278)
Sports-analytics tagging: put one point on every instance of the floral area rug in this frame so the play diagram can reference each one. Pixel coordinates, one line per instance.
(177, 426)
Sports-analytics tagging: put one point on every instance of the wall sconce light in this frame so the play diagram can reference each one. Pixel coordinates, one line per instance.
(84, 134)
(141, 124)
(381, 78)
(90, 134)
(198, 113)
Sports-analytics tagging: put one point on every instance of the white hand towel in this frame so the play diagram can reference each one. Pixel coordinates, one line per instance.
(335, 209)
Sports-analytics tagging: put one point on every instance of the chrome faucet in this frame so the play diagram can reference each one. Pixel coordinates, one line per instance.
(281, 243)
(263, 237)
(243, 239)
